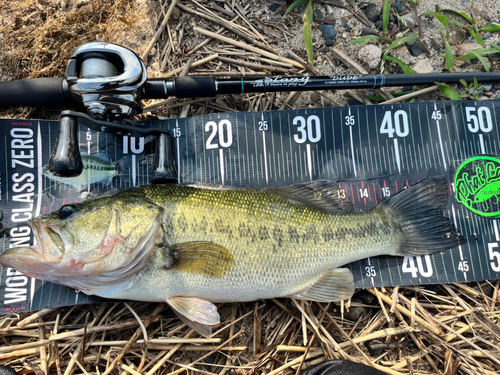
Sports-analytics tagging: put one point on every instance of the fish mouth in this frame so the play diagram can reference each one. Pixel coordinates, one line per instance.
(41, 257)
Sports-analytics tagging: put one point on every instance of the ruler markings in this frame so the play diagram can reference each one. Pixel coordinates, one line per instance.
(460, 246)
(410, 117)
(359, 148)
(282, 150)
(272, 172)
(440, 138)
(265, 153)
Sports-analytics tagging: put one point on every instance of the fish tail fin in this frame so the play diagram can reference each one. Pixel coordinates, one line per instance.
(418, 213)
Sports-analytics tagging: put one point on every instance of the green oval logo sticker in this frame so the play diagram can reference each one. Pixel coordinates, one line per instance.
(477, 185)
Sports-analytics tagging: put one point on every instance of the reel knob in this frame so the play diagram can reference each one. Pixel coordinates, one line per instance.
(66, 160)
(164, 170)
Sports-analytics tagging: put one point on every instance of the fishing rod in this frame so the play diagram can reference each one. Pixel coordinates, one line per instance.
(109, 81)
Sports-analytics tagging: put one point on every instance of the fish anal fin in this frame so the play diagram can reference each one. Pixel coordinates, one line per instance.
(322, 195)
(335, 285)
(201, 258)
(197, 313)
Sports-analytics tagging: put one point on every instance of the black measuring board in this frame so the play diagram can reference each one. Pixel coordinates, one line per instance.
(368, 152)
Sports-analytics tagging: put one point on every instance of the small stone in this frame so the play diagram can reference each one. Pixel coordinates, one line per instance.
(362, 5)
(324, 49)
(411, 42)
(329, 42)
(407, 88)
(399, 70)
(423, 66)
(487, 87)
(457, 36)
(370, 55)
(487, 36)
(390, 25)
(379, 25)
(273, 7)
(435, 44)
(328, 31)
(496, 87)
(375, 347)
(176, 13)
(372, 12)
(356, 312)
(6, 370)
(464, 48)
(318, 13)
(315, 97)
(398, 6)
(369, 31)
(416, 50)
(339, 367)
(366, 297)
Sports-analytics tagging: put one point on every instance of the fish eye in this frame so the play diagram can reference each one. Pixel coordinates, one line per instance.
(67, 210)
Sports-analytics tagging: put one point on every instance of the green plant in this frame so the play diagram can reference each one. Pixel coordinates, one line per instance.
(386, 14)
(308, 20)
(473, 30)
(469, 92)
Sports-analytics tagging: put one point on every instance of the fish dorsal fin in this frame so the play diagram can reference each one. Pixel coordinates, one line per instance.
(197, 313)
(322, 195)
(335, 285)
(199, 257)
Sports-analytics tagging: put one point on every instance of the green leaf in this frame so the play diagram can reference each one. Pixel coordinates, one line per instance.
(449, 92)
(481, 52)
(483, 61)
(491, 28)
(400, 42)
(441, 18)
(386, 14)
(463, 14)
(495, 46)
(364, 39)
(456, 23)
(402, 64)
(294, 5)
(308, 20)
(476, 36)
(449, 56)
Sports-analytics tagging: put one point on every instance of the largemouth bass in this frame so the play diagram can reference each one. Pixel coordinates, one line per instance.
(192, 245)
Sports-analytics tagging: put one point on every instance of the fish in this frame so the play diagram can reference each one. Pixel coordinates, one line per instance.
(193, 245)
(97, 168)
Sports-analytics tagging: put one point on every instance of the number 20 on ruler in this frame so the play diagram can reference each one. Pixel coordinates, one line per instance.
(222, 130)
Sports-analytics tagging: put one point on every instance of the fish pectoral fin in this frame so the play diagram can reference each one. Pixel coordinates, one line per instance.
(335, 285)
(196, 313)
(201, 258)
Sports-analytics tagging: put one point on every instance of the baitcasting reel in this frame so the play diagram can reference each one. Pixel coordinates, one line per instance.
(108, 80)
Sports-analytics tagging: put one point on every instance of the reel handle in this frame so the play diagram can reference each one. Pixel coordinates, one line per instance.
(66, 160)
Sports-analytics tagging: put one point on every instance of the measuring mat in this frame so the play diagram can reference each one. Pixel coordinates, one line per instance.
(368, 152)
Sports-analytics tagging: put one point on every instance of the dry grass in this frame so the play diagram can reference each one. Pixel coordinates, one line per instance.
(406, 330)
(448, 329)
